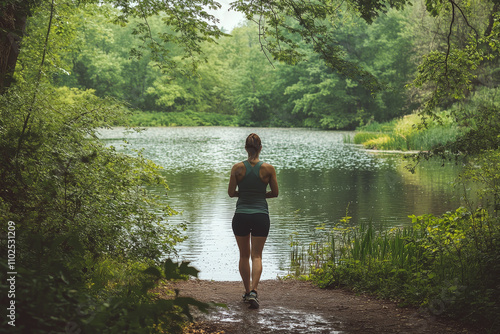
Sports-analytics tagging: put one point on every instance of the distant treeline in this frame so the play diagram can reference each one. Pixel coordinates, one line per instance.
(238, 80)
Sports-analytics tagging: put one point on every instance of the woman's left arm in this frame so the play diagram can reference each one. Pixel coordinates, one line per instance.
(273, 183)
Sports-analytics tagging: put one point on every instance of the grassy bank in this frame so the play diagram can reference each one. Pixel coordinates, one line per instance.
(406, 134)
(185, 118)
(447, 265)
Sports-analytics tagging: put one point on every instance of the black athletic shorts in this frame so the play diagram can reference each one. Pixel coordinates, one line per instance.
(256, 223)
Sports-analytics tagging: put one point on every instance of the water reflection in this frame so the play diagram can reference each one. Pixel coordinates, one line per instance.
(319, 178)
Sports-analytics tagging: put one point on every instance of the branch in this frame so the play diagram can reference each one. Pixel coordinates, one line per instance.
(37, 85)
(453, 3)
(276, 27)
(149, 32)
(261, 28)
(46, 42)
(449, 43)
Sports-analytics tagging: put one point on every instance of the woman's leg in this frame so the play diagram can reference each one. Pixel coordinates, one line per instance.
(244, 266)
(256, 251)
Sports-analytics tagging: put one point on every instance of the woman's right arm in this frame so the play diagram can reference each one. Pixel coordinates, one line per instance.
(231, 189)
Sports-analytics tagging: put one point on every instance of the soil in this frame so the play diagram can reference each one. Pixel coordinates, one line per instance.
(291, 306)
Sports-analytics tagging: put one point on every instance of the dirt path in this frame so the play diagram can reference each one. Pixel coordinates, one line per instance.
(299, 307)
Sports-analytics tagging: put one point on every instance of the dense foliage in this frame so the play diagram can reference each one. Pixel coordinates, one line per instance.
(447, 265)
(86, 239)
(85, 225)
(238, 79)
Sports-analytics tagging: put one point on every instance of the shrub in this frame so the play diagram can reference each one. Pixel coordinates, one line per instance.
(76, 204)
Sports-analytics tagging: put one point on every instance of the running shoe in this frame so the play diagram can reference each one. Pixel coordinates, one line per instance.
(246, 296)
(252, 299)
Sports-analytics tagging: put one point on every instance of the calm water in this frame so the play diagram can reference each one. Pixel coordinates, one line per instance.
(319, 178)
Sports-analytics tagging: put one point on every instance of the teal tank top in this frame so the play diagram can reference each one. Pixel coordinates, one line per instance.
(252, 191)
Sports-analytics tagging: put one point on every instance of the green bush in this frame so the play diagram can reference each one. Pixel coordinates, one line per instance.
(57, 298)
(86, 225)
(450, 261)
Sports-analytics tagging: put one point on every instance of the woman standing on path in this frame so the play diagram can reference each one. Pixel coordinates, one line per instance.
(251, 219)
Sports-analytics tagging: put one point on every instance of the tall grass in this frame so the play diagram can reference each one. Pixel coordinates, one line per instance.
(425, 140)
(362, 137)
(347, 138)
(407, 133)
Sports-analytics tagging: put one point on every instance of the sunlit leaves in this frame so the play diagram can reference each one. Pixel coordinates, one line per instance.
(189, 26)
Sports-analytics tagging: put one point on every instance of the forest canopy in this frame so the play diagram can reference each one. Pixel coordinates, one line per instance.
(353, 60)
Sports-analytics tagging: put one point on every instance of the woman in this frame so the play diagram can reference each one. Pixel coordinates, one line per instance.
(251, 219)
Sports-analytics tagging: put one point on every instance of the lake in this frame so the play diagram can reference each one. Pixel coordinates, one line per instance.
(319, 178)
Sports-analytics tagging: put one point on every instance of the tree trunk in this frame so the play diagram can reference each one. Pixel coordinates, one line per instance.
(495, 9)
(13, 17)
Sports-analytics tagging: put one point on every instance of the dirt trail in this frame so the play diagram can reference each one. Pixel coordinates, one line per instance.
(299, 307)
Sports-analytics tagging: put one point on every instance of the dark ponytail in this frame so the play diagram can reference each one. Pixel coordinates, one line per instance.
(253, 145)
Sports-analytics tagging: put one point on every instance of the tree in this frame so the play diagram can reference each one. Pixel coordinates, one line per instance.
(191, 25)
(250, 74)
(14, 14)
(457, 72)
(82, 212)
(311, 93)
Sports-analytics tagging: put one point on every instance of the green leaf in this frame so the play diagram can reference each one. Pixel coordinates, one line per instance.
(154, 271)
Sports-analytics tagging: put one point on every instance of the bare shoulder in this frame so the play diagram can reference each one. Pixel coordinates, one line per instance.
(268, 168)
(238, 168)
(238, 165)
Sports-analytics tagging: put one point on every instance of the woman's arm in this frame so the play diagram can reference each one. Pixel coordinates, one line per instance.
(273, 183)
(231, 189)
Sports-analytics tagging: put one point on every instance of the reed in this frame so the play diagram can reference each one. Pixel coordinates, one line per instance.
(433, 137)
(347, 138)
(364, 245)
(362, 137)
